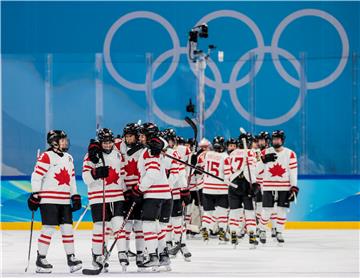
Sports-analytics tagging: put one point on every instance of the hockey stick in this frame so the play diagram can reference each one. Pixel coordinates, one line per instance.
(200, 170)
(98, 271)
(81, 217)
(31, 233)
(101, 265)
(247, 160)
(32, 225)
(122, 226)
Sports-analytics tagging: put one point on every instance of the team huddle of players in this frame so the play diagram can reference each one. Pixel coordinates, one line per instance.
(154, 184)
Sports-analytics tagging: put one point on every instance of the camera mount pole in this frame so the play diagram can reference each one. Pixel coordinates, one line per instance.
(201, 64)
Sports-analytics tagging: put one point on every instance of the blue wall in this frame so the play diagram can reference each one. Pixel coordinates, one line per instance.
(318, 200)
(74, 32)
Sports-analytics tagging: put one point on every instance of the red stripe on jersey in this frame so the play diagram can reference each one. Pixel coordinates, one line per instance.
(106, 196)
(152, 167)
(67, 236)
(106, 191)
(157, 191)
(55, 192)
(68, 241)
(208, 183)
(267, 181)
(277, 185)
(41, 168)
(37, 172)
(159, 185)
(54, 197)
(152, 162)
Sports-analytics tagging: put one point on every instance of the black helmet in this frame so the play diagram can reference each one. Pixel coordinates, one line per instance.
(190, 141)
(105, 135)
(169, 134)
(218, 143)
(232, 141)
(264, 135)
(150, 130)
(53, 137)
(278, 134)
(248, 137)
(131, 128)
(180, 140)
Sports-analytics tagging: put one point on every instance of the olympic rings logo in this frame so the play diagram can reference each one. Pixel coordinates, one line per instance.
(217, 83)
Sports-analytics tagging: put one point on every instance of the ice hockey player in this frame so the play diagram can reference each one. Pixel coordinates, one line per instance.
(193, 215)
(279, 183)
(133, 149)
(264, 143)
(231, 145)
(215, 192)
(103, 169)
(154, 190)
(243, 165)
(180, 192)
(54, 191)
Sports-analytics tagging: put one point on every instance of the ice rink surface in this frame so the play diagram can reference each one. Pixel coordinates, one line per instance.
(319, 253)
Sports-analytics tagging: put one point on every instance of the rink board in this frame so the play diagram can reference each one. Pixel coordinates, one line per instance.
(323, 203)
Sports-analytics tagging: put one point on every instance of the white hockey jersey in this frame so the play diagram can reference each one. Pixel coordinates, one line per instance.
(54, 178)
(217, 164)
(132, 174)
(199, 178)
(114, 183)
(153, 179)
(280, 174)
(241, 162)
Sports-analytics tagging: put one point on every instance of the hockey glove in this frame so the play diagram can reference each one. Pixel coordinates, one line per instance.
(255, 188)
(100, 172)
(34, 201)
(76, 202)
(294, 191)
(185, 196)
(269, 157)
(94, 151)
(137, 194)
(128, 195)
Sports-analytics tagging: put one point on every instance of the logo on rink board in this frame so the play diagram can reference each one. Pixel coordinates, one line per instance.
(258, 53)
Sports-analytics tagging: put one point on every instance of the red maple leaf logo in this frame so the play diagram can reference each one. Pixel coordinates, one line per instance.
(63, 177)
(277, 170)
(131, 168)
(113, 176)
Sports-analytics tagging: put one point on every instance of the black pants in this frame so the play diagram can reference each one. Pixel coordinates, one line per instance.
(54, 214)
(238, 200)
(268, 199)
(258, 197)
(177, 209)
(211, 201)
(111, 210)
(156, 209)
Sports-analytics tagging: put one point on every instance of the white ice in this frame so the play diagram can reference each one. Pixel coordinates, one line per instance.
(317, 253)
